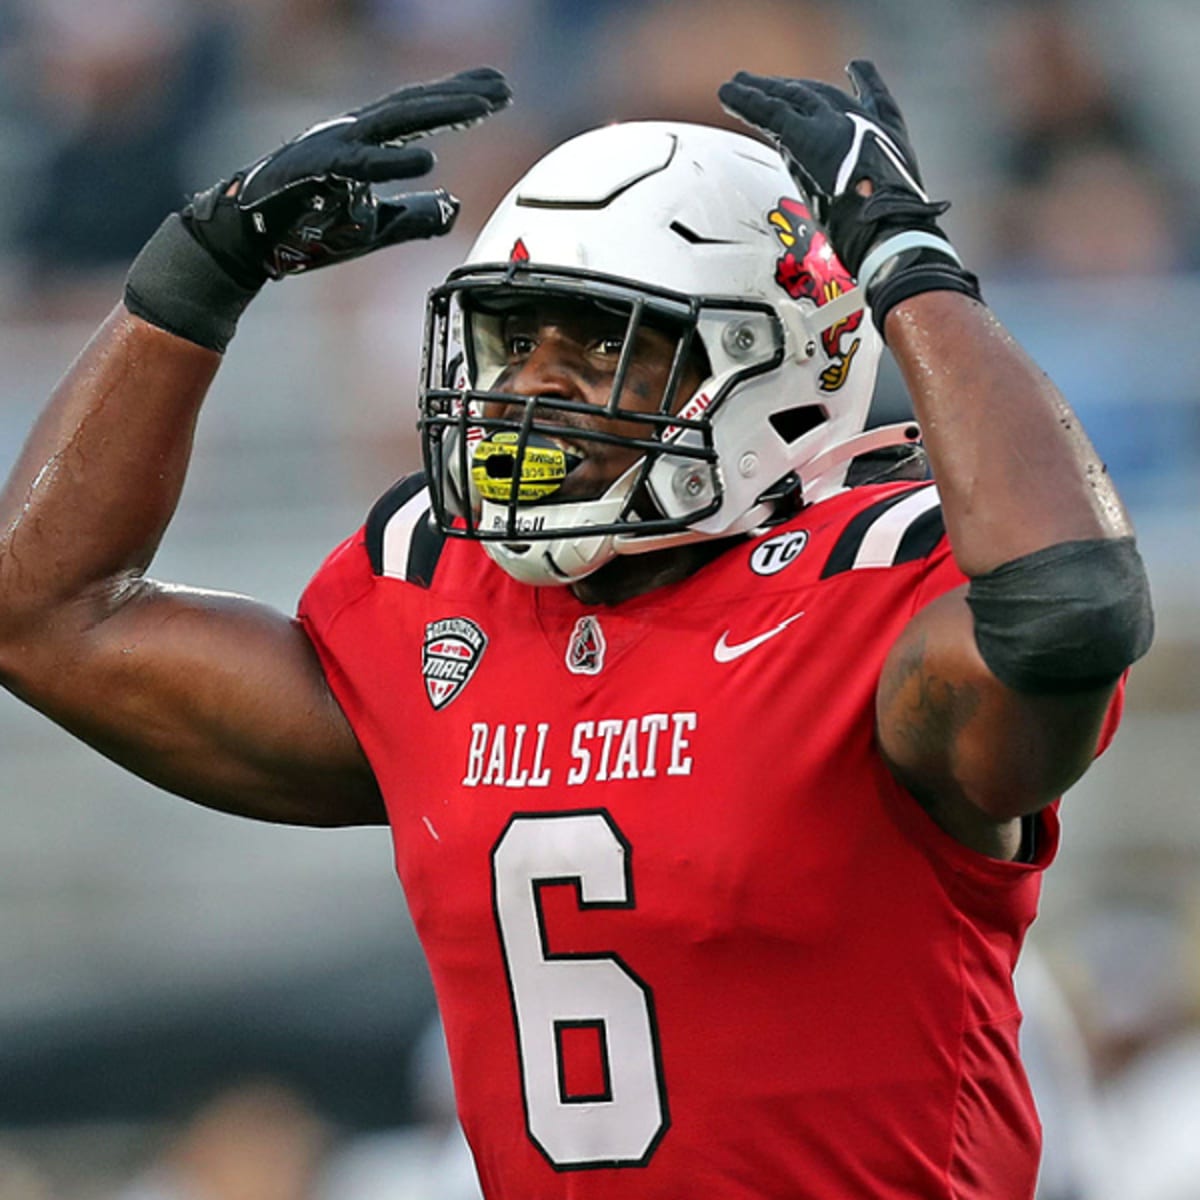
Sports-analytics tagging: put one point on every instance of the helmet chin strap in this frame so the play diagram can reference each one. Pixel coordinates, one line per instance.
(825, 475)
(564, 560)
(550, 564)
(561, 560)
(631, 544)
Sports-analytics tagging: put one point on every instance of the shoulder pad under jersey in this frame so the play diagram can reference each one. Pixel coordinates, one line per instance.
(403, 542)
(897, 529)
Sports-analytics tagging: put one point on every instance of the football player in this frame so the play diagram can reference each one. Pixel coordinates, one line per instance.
(721, 758)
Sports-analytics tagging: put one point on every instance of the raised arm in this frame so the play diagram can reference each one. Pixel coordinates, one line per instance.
(992, 699)
(210, 695)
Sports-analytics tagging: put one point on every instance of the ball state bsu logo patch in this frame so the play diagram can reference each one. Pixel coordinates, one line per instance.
(449, 656)
(585, 651)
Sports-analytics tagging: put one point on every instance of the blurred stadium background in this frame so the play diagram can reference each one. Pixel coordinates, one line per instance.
(171, 979)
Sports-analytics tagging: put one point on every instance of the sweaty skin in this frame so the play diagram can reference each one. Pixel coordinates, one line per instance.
(571, 351)
(1014, 475)
(978, 755)
(222, 700)
(216, 697)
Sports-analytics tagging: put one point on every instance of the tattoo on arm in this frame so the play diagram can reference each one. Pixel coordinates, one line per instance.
(927, 712)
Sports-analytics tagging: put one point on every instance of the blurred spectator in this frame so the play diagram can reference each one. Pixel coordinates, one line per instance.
(1138, 990)
(299, 47)
(1140, 1002)
(1084, 193)
(255, 1141)
(423, 39)
(20, 1179)
(429, 1160)
(1154, 46)
(115, 96)
(665, 59)
(1154, 1110)
(1095, 210)
(1076, 1155)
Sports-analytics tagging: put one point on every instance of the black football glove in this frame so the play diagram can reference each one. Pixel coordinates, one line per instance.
(832, 142)
(311, 202)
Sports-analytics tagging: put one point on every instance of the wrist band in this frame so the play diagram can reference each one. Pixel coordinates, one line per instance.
(917, 276)
(913, 239)
(176, 284)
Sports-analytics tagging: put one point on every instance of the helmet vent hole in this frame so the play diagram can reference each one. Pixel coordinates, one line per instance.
(696, 239)
(793, 423)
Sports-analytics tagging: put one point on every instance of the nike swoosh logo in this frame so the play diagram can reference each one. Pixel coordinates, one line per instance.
(725, 651)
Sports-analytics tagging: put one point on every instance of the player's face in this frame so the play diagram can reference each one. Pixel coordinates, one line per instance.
(570, 350)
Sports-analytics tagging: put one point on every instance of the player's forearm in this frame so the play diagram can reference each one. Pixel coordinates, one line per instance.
(1015, 470)
(99, 479)
(88, 500)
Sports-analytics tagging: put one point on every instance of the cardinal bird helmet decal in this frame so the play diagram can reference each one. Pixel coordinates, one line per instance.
(808, 269)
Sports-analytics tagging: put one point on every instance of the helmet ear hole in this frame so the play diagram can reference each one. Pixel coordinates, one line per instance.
(793, 423)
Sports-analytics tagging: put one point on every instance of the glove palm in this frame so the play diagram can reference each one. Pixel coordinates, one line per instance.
(832, 143)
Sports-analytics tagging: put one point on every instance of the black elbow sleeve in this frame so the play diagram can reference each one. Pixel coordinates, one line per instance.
(1067, 618)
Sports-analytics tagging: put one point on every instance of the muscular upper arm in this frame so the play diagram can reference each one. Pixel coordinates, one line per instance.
(209, 695)
(978, 754)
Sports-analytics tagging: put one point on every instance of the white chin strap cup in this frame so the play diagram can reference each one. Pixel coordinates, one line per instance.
(563, 559)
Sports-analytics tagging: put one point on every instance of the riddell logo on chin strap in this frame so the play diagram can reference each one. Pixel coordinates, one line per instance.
(524, 523)
(809, 270)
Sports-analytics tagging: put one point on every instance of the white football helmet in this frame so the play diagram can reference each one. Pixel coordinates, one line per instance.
(694, 229)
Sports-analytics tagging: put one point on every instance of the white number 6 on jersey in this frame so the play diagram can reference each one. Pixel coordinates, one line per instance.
(621, 1123)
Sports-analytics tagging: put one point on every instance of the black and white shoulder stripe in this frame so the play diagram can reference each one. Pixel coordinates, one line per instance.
(895, 530)
(402, 540)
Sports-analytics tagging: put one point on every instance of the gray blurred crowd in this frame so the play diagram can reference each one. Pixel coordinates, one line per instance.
(1065, 133)
(1059, 128)
(1067, 157)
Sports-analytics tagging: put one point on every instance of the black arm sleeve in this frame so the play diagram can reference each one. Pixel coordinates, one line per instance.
(1067, 618)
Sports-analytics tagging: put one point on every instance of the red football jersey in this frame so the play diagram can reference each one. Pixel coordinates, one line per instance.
(688, 935)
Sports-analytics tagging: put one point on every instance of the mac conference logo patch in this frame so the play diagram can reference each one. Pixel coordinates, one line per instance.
(449, 656)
